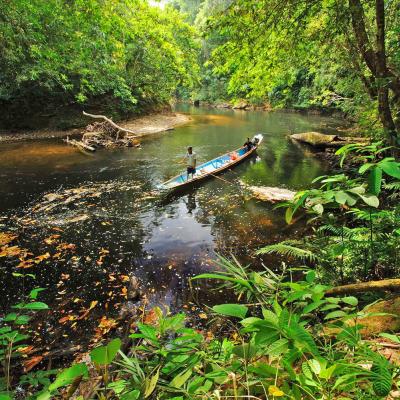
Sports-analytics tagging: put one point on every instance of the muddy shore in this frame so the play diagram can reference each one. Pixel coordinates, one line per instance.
(146, 125)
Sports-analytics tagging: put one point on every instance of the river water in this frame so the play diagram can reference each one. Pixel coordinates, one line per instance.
(101, 219)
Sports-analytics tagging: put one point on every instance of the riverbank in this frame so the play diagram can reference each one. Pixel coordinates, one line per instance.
(142, 126)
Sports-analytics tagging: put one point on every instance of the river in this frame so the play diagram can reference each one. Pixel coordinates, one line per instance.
(101, 219)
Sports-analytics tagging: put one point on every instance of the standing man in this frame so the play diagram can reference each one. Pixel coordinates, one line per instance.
(191, 160)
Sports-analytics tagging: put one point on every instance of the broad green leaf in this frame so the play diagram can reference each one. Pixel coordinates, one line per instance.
(10, 317)
(265, 337)
(289, 215)
(104, 355)
(353, 301)
(365, 167)
(310, 276)
(231, 310)
(68, 375)
(390, 168)
(327, 373)
(133, 395)
(318, 208)
(179, 380)
(350, 200)
(335, 314)
(370, 200)
(393, 338)
(315, 366)
(357, 190)
(340, 197)
(248, 322)
(37, 305)
(45, 395)
(245, 350)
(312, 306)
(22, 320)
(278, 347)
(306, 370)
(264, 370)
(34, 293)
(375, 181)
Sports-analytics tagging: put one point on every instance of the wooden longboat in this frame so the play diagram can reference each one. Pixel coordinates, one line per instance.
(212, 167)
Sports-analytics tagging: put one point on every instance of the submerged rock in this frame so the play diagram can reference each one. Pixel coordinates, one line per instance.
(271, 194)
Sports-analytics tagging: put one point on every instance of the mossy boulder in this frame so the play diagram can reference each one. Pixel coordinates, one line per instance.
(382, 323)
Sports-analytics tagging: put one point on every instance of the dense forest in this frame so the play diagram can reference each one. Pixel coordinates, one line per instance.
(122, 57)
(318, 314)
(320, 54)
(128, 57)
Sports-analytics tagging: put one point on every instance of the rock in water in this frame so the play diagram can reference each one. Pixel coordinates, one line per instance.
(314, 138)
(271, 194)
(241, 105)
(318, 139)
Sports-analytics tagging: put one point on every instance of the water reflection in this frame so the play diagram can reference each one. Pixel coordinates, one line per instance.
(119, 227)
(190, 202)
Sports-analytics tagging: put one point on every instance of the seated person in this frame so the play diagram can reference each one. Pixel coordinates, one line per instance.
(248, 144)
(233, 155)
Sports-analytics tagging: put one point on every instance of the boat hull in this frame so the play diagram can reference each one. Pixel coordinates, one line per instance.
(211, 168)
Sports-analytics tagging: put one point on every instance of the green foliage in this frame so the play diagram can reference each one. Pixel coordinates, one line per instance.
(288, 250)
(284, 347)
(232, 310)
(60, 53)
(14, 332)
(362, 242)
(104, 355)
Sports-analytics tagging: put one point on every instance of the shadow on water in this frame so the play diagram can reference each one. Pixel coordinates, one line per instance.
(85, 224)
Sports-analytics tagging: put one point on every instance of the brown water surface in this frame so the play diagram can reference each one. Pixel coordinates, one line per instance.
(87, 221)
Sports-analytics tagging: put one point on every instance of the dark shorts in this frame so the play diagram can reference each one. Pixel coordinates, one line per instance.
(191, 170)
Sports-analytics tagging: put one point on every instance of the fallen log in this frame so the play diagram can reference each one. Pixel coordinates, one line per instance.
(270, 194)
(318, 139)
(79, 144)
(132, 133)
(391, 285)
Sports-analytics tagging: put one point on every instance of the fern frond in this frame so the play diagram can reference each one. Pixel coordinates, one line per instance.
(392, 185)
(289, 251)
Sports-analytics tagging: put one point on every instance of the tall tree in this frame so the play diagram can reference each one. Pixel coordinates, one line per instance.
(273, 44)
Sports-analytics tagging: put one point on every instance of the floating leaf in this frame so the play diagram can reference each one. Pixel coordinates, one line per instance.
(32, 362)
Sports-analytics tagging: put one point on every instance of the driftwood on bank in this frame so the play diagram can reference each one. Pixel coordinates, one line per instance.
(104, 134)
(391, 285)
(109, 121)
(318, 139)
(80, 144)
(270, 194)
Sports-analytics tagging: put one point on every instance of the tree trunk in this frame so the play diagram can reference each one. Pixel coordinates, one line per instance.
(360, 32)
(382, 75)
(376, 62)
(390, 285)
